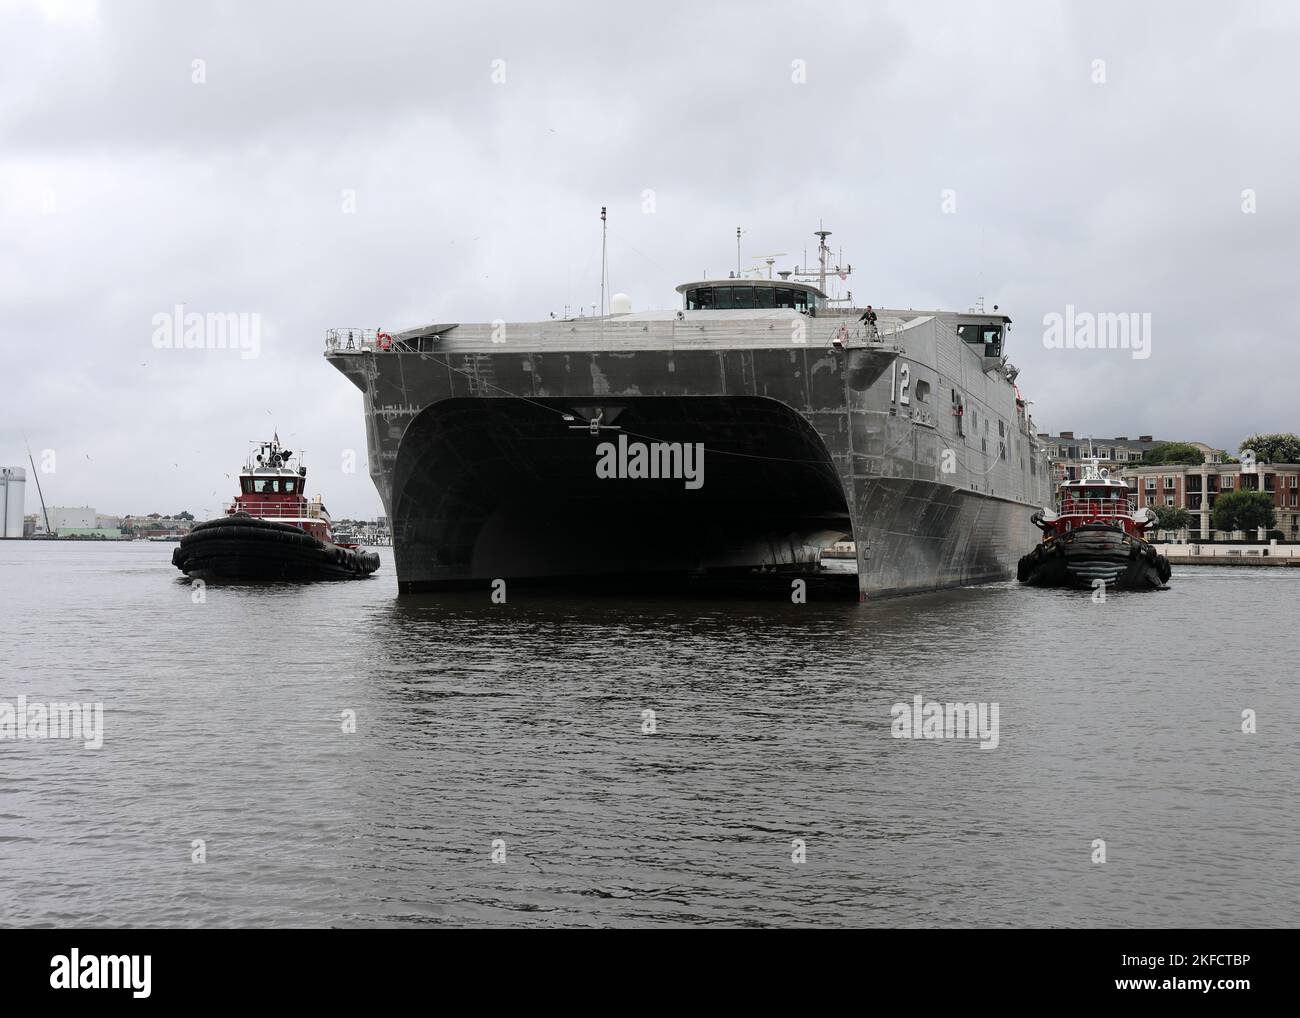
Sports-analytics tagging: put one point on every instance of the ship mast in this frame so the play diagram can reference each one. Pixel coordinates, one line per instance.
(604, 259)
(822, 253)
(824, 265)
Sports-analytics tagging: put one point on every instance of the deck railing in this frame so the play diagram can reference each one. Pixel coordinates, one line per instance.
(613, 332)
(1097, 506)
(279, 510)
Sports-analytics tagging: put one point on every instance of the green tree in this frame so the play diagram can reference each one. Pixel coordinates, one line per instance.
(1170, 518)
(1244, 510)
(1272, 448)
(184, 515)
(1174, 452)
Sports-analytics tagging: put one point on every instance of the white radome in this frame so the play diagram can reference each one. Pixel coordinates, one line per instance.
(620, 304)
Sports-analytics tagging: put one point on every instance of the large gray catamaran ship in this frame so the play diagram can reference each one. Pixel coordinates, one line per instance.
(905, 435)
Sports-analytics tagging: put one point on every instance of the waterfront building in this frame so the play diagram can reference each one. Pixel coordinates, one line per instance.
(13, 488)
(72, 518)
(156, 525)
(1195, 489)
(1066, 454)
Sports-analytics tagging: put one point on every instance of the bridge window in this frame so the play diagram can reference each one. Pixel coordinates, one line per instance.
(991, 337)
(987, 335)
(699, 299)
(922, 392)
(703, 298)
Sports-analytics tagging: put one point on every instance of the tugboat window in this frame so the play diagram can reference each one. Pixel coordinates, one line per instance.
(745, 297)
(968, 333)
(724, 297)
(784, 298)
(766, 296)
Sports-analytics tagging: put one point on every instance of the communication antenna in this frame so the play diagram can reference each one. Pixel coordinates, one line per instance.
(770, 260)
(823, 263)
(822, 252)
(604, 260)
(738, 273)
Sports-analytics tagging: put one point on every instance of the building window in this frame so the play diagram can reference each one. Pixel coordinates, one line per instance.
(1169, 484)
(1169, 500)
(1291, 481)
(1226, 482)
(1151, 485)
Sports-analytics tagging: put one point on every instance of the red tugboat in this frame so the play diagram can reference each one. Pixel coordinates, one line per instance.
(1097, 533)
(271, 531)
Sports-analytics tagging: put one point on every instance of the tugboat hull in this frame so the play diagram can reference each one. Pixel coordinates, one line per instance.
(1091, 553)
(247, 548)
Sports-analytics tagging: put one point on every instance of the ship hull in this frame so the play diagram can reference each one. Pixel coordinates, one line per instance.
(1092, 554)
(804, 445)
(491, 489)
(248, 548)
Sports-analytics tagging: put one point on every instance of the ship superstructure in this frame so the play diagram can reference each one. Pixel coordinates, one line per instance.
(903, 433)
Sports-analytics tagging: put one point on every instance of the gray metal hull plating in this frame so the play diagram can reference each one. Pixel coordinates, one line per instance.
(804, 443)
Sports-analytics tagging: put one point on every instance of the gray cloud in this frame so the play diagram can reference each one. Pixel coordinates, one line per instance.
(478, 200)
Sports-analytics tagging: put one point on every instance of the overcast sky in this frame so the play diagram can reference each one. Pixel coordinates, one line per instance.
(126, 187)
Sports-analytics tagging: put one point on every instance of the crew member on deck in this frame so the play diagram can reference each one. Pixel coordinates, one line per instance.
(869, 317)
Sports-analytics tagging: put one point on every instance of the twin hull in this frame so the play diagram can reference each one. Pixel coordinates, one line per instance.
(483, 477)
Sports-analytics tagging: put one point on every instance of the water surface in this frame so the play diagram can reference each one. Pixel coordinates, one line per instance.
(523, 723)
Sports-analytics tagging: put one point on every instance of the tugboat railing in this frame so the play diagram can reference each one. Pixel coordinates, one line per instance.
(1097, 506)
(279, 510)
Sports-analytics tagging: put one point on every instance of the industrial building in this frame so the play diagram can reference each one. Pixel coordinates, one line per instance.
(72, 518)
(13, 488)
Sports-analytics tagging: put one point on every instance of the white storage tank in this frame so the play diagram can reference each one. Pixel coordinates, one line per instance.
(13, 499)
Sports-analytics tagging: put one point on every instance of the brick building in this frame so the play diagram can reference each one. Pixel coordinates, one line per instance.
(1195, 488)
(1067, 454)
